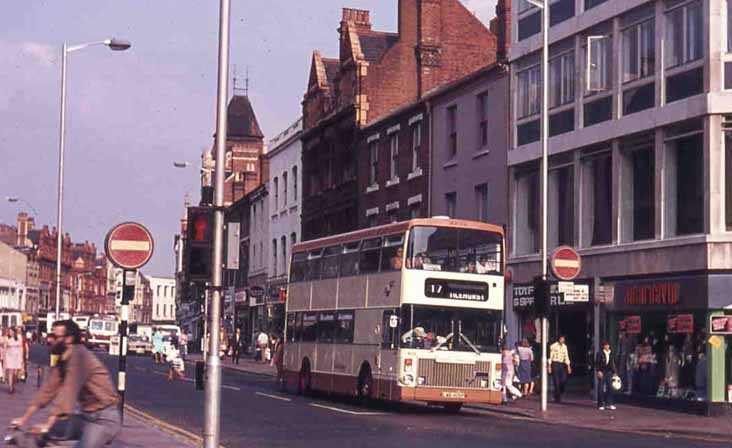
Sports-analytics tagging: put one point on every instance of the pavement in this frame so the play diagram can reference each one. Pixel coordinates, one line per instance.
(576, 410)
(137, 430)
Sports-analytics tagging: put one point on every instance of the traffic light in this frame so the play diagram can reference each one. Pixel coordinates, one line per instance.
(541, 296)
(199, 243)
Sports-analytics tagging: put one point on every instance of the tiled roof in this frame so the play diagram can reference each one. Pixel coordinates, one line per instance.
(242, 120)
(374, 45)
(331, 69)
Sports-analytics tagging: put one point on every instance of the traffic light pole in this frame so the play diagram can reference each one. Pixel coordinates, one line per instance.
(128, 292)
(212, 415)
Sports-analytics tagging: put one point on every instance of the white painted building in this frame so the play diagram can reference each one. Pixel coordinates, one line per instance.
(285, 196)
(163, 299)
(13, 265)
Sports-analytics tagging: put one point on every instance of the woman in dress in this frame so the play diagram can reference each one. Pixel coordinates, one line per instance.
(526, 357)
(175, 362)
(13, 357)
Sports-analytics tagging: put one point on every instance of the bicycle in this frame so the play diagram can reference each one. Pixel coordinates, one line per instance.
(26, 438)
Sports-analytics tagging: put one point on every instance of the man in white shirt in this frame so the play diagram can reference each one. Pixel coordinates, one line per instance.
(559, 367)
(262, 343)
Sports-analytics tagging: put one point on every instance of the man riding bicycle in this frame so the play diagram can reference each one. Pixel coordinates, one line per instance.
(80, 377)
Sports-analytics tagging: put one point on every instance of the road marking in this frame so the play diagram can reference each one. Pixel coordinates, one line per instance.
(276, 397)
(344, 411)
(223, 386)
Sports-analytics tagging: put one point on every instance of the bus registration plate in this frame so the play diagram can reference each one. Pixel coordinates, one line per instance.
(453, 395)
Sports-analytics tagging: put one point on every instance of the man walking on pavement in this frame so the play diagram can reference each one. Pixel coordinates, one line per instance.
(78, 377)
(605, 370)
(559, 367)
(235, 345)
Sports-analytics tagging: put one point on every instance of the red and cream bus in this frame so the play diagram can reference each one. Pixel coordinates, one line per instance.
(407, 311)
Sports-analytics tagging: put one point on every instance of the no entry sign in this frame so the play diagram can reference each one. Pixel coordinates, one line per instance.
(129, 245)
(566, 263)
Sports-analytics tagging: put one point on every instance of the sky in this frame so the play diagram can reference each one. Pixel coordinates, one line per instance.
(131, 114)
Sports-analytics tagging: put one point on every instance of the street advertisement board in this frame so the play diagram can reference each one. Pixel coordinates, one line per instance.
(631, 325)
(720, 324)
(680, 323)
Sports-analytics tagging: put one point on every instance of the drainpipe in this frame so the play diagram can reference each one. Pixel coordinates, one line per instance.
(430, 152)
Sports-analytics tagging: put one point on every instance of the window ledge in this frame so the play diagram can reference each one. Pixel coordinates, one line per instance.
(372, 188)
(392, 182)
(283, 212)
(481, 153)
(450, 163)
(414, 174)
(293, 208)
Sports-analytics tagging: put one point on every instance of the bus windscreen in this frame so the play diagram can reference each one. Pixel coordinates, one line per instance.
(449, 249)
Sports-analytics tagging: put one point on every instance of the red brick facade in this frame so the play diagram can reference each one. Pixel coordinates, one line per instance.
(377, 73)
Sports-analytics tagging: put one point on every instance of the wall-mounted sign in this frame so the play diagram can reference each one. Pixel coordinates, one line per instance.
(680, 323)
(523, 295)
(653, 294)
(720, 324)
(633, 324)
(456, 290)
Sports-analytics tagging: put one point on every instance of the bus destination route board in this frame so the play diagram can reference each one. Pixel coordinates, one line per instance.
(456, 290)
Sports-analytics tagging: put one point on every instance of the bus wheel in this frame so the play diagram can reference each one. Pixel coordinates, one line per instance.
(365, 385)
(304, 381)
(452, 408)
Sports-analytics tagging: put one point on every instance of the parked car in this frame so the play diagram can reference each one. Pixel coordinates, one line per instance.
(139, 345)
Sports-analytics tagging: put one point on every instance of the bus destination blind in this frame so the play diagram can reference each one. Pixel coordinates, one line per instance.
(456, 290)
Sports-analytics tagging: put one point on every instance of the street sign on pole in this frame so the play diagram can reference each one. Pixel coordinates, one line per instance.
(128, 246)
(566, 263)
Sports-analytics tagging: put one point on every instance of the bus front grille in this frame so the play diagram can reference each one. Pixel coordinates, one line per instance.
(445, 374)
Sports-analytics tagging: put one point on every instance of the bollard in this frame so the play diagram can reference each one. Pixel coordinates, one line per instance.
(200, 374)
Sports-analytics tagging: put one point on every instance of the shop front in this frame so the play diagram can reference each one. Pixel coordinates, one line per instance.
(571, 316)
(660, 331)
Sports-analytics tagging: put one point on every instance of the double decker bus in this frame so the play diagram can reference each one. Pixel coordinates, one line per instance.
(410, 311)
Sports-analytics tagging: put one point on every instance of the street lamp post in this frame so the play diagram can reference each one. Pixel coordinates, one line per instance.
(544, 6)
(14, 199)
(212, 415)
(115, 45)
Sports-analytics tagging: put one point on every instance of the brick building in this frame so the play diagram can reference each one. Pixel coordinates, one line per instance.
(355, 97)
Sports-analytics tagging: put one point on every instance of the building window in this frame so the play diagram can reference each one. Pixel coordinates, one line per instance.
(482, 203)
(274, 257)
(371, 221)
(644, 216)
(394, 155)
(529, 92)
(689, 155)
(293, 240)
(639, 51)
(416, 144)
(283, 248)
(373, 161)
(684, 34)
(561, 215)
(638, 99)
(560, 10)
(728, 176)
(415, 211)
(561, 122)
(528, 227)
(685, 84)
(601, 64)
(284, 189)
(452, 143)
(528, 132)
(393, 215)
(276, 194)
(451, 204)
(529, 25)
(294, 184)
(483, 114)
(589, 4)
(597, 206)
(598, 111)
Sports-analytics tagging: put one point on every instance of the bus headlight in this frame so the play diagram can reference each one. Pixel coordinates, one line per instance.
(497, 384)
(421, 380)
(408, 363)
(483, 383)
(408, 379)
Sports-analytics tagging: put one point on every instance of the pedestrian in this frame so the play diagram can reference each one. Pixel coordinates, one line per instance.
(278, 360)
(262, 345)
(235, 344)
(157, 341)
(23, 373)
(2, 355)
(559, 367)
(605, 369)
(507, 372)
(12, 357)
(78, 378)
(175, 362)
(183, 345)
(526, 357)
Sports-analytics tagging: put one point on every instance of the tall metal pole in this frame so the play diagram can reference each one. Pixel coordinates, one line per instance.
(544, 192)
(60, 205)
(213, 382)
(128, 293)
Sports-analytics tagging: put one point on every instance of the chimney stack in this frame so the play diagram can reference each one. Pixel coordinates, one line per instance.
(360, 18)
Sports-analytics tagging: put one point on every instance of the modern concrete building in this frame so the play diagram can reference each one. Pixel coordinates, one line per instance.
(163, 299)
(640, 181)
(285, 187)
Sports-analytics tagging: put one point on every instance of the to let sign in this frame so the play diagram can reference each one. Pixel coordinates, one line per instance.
(566, 263)
(129, 245)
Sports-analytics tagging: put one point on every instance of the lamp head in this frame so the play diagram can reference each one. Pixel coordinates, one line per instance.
(118, 44)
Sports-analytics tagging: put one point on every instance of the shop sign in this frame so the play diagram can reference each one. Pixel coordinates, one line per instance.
(680, 323)
(631, 325)
(654, 294)
(523, 295)
(720, 324)
(240, 297)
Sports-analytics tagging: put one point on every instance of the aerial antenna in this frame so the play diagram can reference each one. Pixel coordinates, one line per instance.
(239, 90)
(246, 85)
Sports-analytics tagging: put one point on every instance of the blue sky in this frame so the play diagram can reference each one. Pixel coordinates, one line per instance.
(131, 114)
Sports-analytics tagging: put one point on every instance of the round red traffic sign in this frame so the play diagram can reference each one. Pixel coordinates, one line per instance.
(129, 245)
(566, 263)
